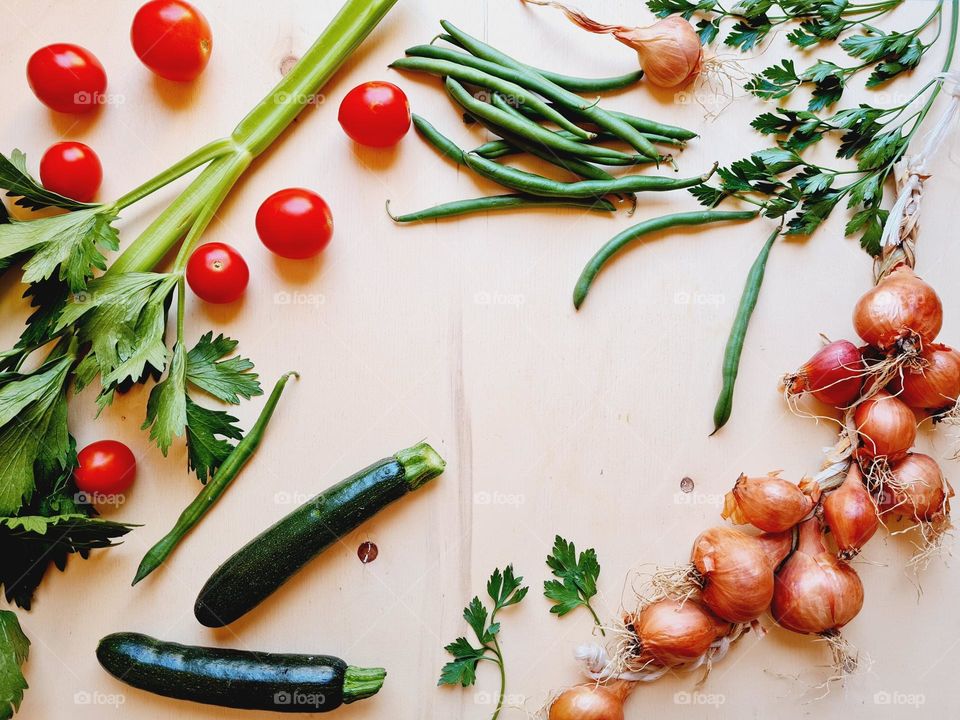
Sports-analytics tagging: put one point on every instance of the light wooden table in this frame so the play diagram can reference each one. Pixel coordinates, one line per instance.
(463, 333)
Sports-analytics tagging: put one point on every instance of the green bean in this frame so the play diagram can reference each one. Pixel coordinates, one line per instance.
(578, 167)
(499, 202)
(652, 126)
(738, 333)
(538, 185)
(433, 136)
(621, 240)
(212, 491)
(536, 82)
(501, 148)
(483, 79)
(574, 84)
(525, 128)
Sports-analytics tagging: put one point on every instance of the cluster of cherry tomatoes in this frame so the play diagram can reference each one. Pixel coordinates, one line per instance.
(173, 39)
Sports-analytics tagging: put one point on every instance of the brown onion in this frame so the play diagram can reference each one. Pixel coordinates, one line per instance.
(670, 52)
(775, 546)
(834, 375)
(736, 572)
(900, 307)
(887, 427)
(591, 701)
(673, 632)
(769, 503)
(850, 513)
(918, 489)
(934, 383)
(816, 593)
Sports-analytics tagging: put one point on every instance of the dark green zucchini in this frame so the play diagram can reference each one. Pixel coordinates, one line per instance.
(270, 559)
(236, 678)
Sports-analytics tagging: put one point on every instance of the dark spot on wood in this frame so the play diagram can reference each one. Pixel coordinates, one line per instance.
(287, 63)
(367, 552)
(686, 484)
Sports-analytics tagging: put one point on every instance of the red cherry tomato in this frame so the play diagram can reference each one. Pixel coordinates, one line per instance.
(375, 114)
(295, 223)
(67, 78)
(172, 38)
(106, 467)
(71, 169)
(217, 273)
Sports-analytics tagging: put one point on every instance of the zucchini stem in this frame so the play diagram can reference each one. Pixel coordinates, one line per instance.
(421, 463)
(361, 683)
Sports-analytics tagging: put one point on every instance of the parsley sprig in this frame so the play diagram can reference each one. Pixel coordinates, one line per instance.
(14, 649)
(885, 54)
(505, 589)
(752, 21)
(576, 581)
(804, 193)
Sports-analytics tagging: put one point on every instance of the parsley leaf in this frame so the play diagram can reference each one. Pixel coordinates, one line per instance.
(67, 246)
(33, 429)
(14, 649)
(18, 183)
(504, 589)
(123, 317)
(227, 380)
(171, 412)
(576, 581)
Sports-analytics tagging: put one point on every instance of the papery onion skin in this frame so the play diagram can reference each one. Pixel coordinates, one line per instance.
(736, 573)
(899, 307)
(673, 632)
(590, 701)
(934, 383)
(887, 427)
(851, 514)
(769, 503)
(834, 375)
(815, 592)
(918, 489)
(669, 51)
(776, 547)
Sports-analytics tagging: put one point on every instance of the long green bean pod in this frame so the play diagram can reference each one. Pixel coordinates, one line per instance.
(441, 142)
(738, 333)
(578, 167)
(499, 202)
(538, 83)
(621, 240)
(473, 76)
(212, 491)
(643, 125)
(574, 84)
(534, 184)
(519, 125)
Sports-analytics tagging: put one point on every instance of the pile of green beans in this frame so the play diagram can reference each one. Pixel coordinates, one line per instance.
(539, 113)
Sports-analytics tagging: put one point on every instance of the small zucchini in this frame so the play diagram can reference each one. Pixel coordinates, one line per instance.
(236, 678)
(257, 569)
